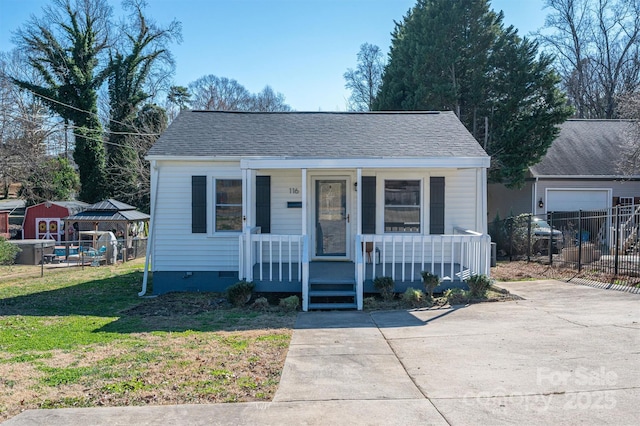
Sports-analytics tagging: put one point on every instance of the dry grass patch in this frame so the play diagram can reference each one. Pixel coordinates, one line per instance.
(522, 270)
(84, 339)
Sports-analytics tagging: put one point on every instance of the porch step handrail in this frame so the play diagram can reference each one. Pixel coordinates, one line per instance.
(469, 250)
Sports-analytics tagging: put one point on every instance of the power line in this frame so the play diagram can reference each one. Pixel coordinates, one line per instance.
(84, 136)
(71, 126)
(96, 115)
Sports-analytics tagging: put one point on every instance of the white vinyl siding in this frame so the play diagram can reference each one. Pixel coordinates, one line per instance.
(175, 247)
(460, 201)
(284, 184)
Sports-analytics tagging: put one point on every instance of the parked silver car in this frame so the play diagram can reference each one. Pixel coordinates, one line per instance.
(541, 233)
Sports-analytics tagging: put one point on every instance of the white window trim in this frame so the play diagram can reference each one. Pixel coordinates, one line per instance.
(213, 215)
(381, 178)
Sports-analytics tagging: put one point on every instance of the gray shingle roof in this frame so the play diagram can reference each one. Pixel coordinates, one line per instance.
(585, 148)
(317, 135)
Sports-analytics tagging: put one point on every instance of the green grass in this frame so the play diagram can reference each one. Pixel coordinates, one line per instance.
(20, 333)
(83, 338)
(64, 376)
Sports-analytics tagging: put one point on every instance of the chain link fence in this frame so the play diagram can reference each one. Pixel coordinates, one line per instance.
(601, 245)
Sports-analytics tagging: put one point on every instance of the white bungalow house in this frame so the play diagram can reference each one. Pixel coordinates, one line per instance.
(316, 203)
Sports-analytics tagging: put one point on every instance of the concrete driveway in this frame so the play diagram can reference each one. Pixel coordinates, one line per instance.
(566, 354)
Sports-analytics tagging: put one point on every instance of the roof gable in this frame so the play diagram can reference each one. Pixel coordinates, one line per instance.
(585, 148)
(317, 135)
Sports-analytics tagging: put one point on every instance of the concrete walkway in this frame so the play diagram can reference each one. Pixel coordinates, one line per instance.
(567, 354)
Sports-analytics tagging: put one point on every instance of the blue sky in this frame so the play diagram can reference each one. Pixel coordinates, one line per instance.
(300, 48)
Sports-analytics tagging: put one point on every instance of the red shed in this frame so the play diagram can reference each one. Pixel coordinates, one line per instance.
(44, 220)
(4, 224)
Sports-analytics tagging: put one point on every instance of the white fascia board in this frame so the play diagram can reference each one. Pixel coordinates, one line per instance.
(192, 158)
(348, 163)
(336, 163)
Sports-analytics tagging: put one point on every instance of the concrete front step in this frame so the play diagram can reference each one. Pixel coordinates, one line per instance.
(326, 281)
(333, 306)
(332, 293)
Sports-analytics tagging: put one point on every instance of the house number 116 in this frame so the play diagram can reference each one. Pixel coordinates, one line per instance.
(294, 191)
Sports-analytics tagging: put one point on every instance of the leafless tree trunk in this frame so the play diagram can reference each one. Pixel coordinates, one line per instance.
(28, 130)
(629, 107)
(364, 82)
(597, 48)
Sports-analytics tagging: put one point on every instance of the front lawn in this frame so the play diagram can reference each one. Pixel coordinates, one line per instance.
(83, 338)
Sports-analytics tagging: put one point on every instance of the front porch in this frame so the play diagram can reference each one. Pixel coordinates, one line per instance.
(280, 263)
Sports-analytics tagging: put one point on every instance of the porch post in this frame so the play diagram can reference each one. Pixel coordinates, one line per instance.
(359, 201)
(304, 201)
(483, 220)
(304, 279)
(246, 220)
(358, 243)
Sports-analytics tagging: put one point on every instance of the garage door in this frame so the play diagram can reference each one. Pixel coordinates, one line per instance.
(568, 200)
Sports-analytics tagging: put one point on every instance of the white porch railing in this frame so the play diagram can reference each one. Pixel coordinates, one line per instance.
(402, 256)
(277, 256)
(288, 253)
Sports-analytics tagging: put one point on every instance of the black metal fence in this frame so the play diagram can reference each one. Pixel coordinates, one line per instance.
(604, 244)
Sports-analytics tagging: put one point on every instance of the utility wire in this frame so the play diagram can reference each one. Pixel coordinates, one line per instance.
(94, 114)
(72, 127)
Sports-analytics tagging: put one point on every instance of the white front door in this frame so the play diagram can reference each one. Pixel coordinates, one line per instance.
(331, 217)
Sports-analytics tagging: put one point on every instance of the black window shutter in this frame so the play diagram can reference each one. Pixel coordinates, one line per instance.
(263, 203)
(368, 204)
(436, 217)
(198, 204)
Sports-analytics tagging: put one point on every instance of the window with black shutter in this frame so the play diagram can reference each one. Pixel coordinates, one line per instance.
(436, 209)
(198, 204)
(263, 203)
(368, 204)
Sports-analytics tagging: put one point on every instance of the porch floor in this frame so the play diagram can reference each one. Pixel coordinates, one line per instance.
(328, 272)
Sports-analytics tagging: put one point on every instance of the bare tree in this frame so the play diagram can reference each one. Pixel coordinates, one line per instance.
(629, 107)
(366, 79)
(178, 98)
(28, 130)
(223, 94)
(150, 122)
(597, 48)
(219, 93)
(268, 101)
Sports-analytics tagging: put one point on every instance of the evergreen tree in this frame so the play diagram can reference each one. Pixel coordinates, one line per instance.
(457, 55)
(51, 180)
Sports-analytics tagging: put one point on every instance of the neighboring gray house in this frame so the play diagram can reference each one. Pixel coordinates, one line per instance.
(582, 170)
(317, 203)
